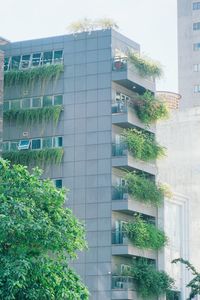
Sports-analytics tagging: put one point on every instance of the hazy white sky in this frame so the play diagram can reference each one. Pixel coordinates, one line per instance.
(150, 23)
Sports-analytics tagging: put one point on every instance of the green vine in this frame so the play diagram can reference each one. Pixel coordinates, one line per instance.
(149, 109)
(144, 235)
(35, 157)
(149, 281)
(34, 115)
(142, 145)
(145, 190)
(145, 66)
(28, 77)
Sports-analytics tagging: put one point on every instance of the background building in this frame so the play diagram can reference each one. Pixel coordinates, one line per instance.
(91, 87)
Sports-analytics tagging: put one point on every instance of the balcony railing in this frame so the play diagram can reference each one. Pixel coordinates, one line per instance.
(119, 237)
(120, 192)
(122, 283)
(120, 149)
(119, 63)
(119, 107)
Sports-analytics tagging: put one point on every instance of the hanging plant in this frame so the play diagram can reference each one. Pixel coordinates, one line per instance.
(144, 235)
(142, 145)
(144, 189)
(145, 66)
(149, 281)
(28, 77)
(35, 157)
(34, 115)
(150, 109)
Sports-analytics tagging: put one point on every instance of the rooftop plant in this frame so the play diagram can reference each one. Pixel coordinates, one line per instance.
(34, 115)
(89, 25)
(144, 189)
(35, 157)
(142, 145)
(150, 109)
(145, 66)
(149, 281)
(28, 77)
(144, 235)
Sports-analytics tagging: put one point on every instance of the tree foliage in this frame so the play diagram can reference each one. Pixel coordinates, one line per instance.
(38, 237)
(87, 25)
(194, 284)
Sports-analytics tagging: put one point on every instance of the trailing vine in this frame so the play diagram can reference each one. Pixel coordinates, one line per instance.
(142, 145)
(34, 115)
(28, 77)
(145, 66)
(145, 190)
(144, 235)
(149, 281)
(35, 157)
(150, 109)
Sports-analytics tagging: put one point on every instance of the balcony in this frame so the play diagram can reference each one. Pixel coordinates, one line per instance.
(121, 158)
(123, 287)
(128, 76)
(122, 246)
(122, 201)
(123, 114)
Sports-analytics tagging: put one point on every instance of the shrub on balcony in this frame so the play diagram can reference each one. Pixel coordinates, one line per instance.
(145, 66)
(150, 109)
(28, 77)
(145, 190)
(149, 281)
(145, 235)
(35, 157)
(34, 115)
(142, 145)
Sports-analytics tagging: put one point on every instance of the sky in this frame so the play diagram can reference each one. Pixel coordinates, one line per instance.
(152, 24)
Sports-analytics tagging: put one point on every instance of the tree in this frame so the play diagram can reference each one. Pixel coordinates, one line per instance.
(38, 238)
(194, 284)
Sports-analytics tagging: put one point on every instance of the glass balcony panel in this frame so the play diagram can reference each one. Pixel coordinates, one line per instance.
(120, 64)
(119, 149)
(122, 283)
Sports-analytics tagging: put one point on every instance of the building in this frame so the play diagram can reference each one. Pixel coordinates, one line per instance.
(189, 51)
(81, 110)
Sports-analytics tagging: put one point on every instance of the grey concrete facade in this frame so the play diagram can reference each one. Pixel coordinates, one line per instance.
(189, 52)
(89, 128)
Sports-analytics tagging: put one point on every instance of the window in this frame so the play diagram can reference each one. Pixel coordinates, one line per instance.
(196, 46)
(196, 26)
(58, 56)
(13, 146)
(36, 102)
(36, 57)
(58, 183)
(15, 62)
(6, 63)
(58, 100)
(26, 103)
(6, 106)
(47, 57)
(197, 88)
(47, 142)
(196, 67)
(36, 144)
(5, 146)
(15, 104)
(57, 141)
(24, 145)
(196, 5)
(25, 61)
(47, 100)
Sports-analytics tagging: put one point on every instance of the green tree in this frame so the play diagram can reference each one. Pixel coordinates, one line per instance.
(38, 238)
(194, 284)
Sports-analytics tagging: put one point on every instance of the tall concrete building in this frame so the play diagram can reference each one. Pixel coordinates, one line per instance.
(94, 84)
(189, 52)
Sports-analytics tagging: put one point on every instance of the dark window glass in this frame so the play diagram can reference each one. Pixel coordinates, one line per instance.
(196, 5)
(36, 144)
(6, 63)
(58, 183)
(47, 100)
(15, 104)
(58, 55)
(25, 61)
(26, 103)
(36, 59)
(58, 141)
(5, 146)
(14, 146)
(36, 102)
(6, 106)
(58, 100)
(196, 26)
(47, 143)
(47, 57)
(15, 61)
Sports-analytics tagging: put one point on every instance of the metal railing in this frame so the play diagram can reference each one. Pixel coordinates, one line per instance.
(122, 283)
(120, 192)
